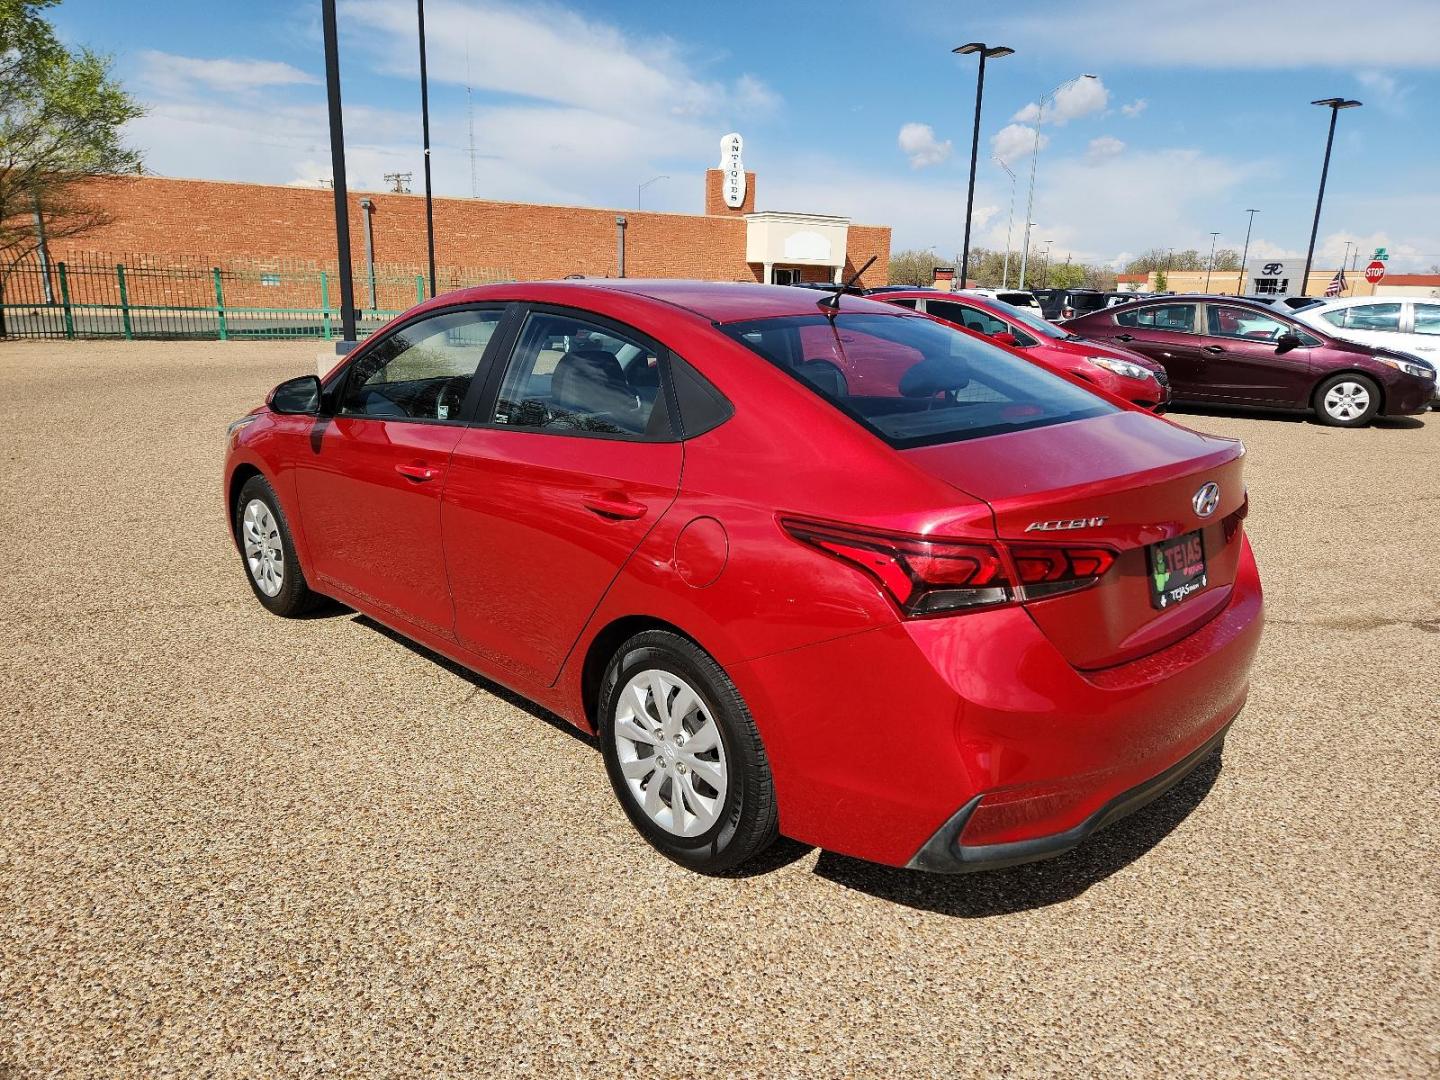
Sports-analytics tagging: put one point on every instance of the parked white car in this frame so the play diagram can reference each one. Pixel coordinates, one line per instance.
(1405, 324)
(1020, 298)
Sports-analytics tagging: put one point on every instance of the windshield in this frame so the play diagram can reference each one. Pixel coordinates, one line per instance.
(914, 381)
(1031, 321)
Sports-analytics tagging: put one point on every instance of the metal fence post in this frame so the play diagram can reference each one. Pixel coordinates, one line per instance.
(220, 304)
(124, 303)
(325, 302)
(65, 300)
(419, 288)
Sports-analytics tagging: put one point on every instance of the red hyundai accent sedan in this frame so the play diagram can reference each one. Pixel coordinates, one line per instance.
(1128, 375)
(820, 567)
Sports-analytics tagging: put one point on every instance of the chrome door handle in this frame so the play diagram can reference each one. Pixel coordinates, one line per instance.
(1214, 349)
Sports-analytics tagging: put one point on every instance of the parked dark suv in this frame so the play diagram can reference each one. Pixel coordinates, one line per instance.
(1058, 304)
(1234, 351)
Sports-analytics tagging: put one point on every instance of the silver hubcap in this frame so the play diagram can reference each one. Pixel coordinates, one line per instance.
(263, 553)
(1347, 400)
(670, 753)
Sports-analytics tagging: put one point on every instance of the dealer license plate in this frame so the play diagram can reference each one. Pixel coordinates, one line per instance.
(1177, 570)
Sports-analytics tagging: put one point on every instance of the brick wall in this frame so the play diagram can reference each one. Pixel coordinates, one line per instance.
(227, 223)
(715, 195)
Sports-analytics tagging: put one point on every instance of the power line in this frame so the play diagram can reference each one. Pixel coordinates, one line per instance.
(400, 181)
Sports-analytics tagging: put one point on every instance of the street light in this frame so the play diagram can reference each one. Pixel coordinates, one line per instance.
(1240, 281)
(1009, 224)
(1034, 158)
(425, 125)
(337, 170)
(987, 52)
(1334, 104)
(1045, 281)
(639, 190)
(1210, 266)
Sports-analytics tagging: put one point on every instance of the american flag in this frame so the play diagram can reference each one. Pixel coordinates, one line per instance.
(1337, 283)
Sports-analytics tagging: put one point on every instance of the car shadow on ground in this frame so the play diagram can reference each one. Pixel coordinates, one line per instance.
(1032, 885)
(494, 689)
(1287, 416)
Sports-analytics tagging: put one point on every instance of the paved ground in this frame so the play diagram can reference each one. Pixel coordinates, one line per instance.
(235, 845)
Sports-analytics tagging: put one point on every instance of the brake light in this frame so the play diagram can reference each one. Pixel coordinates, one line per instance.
(933, 577)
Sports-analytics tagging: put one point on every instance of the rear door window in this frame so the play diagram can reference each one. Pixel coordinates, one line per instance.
(982, 322)
(1174, 317)
(1427, 318)
(913, 381)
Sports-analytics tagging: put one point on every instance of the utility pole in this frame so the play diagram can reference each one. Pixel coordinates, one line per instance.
(1009, 223)
(337, 167)
(1210, 266)
(425, 128)
(1240, 282)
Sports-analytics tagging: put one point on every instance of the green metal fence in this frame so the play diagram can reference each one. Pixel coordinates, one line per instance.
(95, 296)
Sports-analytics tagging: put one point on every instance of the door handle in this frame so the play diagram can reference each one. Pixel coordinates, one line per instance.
(1125, 337)
(418, 473)
(619, 509)
(1214, 349)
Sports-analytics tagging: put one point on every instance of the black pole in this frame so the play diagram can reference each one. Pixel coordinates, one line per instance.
(337, 168)
(974, 153)
(1319, 198)
(425, 125)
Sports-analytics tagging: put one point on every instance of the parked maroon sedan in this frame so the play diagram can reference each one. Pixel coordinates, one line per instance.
(1128, 375)
(1233, 351)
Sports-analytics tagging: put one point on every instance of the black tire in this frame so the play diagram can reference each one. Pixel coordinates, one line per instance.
(748, 822)
(1343, 416)
(294, 597)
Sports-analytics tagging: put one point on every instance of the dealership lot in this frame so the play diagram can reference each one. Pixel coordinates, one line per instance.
(255, 846)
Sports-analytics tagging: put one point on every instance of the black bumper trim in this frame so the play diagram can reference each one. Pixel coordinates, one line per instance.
(944, 854)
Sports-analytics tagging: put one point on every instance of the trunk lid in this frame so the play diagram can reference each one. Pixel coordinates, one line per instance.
(1124, 481)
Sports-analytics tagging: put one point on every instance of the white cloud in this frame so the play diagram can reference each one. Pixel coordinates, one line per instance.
(1135, 108)
(167, 73)
(1275, 36)
(1081, 98)
(1015, 141)
(1383, 90)
(1106, 146)
(920, 145)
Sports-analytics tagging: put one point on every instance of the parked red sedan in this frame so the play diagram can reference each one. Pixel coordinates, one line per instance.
(1118, 371)
(813, 566)
(1234, 351)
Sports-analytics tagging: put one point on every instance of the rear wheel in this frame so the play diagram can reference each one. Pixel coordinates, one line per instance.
(683, 754)
(1347, 400)
(268, 551)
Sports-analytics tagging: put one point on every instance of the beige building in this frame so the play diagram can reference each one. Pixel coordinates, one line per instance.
(1231, 283)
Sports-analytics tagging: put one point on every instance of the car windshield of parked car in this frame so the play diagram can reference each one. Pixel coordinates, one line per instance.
(914, 381)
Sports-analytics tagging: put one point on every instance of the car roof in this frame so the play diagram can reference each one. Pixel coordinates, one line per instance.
(717, 301)
(1210, 298)
(1330, 303)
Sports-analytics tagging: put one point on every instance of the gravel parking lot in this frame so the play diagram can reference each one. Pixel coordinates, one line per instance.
(235, 845)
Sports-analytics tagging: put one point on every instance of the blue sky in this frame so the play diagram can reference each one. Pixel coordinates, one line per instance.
(1200, 110)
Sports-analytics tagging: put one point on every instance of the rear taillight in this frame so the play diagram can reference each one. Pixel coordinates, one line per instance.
(934, 577)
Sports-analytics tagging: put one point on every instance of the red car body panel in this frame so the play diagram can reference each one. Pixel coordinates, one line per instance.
(877, 726)
(1062, 356)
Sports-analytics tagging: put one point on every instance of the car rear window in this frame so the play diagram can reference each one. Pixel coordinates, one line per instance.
(1085, 301)
(1017, 299)
(914, 381)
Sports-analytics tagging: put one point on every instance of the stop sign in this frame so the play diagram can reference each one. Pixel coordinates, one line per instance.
(1375, 272)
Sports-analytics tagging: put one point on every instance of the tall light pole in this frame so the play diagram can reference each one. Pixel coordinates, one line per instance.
(1210, 266)
(425, 127)
(1045, 266)
(1334, 104)
(1009, 224)
(337, 171)
(987, 52)
(1034, 159)
(641, 188)
(1240, 281)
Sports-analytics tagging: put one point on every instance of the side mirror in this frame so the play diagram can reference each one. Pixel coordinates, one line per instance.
(1004, 337)
(1287, 341)
(299, 396)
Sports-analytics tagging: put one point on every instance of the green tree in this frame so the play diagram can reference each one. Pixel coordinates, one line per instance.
(1162, 283)
(913, 267)
(61, 115)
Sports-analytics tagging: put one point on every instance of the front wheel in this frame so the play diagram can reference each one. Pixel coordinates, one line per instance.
(1347, 401)
(683, 754)
(268, 551)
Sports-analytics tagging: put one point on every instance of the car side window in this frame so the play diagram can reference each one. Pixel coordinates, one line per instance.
(904, 302)
(982, 322)
(571, 377)
(1178, 317)
(1427, 318)
(1374, 317)
(1336, 317)
(1235, 322)
(422, 371)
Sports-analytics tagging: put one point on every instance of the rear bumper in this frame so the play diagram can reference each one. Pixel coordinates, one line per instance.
(878, 741)
(943, 853)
